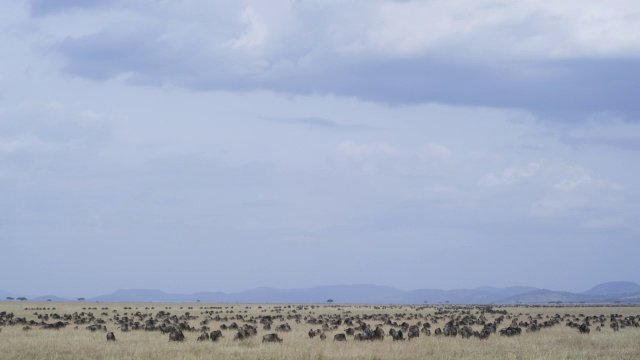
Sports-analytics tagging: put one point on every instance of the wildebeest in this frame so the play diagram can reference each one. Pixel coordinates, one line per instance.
(273, 337)
(398, 336)
(242, 334)
(510, 331)
(339, 337)
(176, 335)
(283, 327)
(215, 335)
(312, 333)
(111, 336)
(323, 336)
(413, 332)
(584, 329)
(203, 337)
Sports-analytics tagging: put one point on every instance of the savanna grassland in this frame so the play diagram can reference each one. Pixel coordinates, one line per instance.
(75, 340)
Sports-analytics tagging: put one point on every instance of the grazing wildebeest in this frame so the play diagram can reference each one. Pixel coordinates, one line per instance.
(339, 337)
(377, 334)
(323, 336)
(242, 334)
(414, 331)
(203, 337)
(283, 327)
(584, 329)
(398, 336)
(510, 331)
(312, 333)
(215, 335)
(111, 336)
(176, 335)
(271, 338)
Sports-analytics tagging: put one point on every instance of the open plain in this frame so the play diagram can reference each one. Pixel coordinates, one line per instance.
(143, 331)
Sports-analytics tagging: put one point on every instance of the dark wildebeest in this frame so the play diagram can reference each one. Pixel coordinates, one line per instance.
(339, 337)
(271, 338)
(242, 334)
(111, 336)
(215, 335)
(203, 337)
(323, 336)
(414, 332)
(312, 333)
(176, 335)
(584, 329)
(398, 336)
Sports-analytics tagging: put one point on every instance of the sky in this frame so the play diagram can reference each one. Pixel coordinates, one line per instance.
(206, 145)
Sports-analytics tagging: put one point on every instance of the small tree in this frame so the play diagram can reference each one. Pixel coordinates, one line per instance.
(9, 298)
(48, 299)
(330, 300)
(22, 298)
(80, 299)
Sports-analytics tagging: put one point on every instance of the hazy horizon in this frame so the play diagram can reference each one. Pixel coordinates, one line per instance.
(84, 295)
(215, 146)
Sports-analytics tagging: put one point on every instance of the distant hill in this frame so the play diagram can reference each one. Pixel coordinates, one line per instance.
(508, 291)
(50, 297)
(614, 287)
(606, 293)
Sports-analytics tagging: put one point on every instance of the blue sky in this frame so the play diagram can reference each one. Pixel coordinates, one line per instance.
(207, 145)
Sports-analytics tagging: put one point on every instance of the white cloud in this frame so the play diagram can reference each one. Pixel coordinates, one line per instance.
(357, 151)
(510, 175)
(435, 152)
(577, 190)
(257, 31)
(27, 142)
(529, 29)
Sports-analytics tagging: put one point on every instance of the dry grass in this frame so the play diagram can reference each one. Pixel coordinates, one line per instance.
(558, 342)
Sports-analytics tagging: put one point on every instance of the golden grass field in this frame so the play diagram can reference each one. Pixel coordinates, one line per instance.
(557, 342)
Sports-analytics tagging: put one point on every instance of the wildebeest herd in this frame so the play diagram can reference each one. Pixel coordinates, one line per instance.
(292, 329)
(467, 322)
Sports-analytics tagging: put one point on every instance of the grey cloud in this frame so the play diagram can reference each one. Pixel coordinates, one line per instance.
(47, 7)
(563, 89)
(319, 123)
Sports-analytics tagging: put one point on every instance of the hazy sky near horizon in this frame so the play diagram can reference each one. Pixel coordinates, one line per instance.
(206, 145)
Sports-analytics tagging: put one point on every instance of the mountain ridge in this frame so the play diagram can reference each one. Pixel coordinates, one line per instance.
(378, 294)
